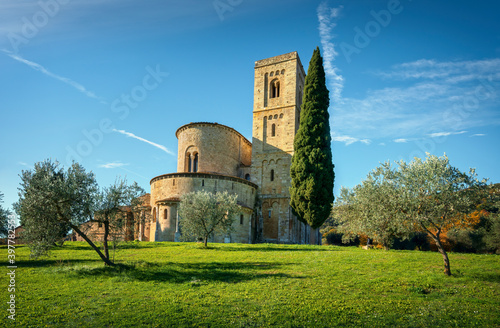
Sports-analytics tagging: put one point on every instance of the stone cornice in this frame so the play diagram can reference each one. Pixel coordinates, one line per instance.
(203, 175)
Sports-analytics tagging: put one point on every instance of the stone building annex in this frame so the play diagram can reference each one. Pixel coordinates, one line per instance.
(214, 157)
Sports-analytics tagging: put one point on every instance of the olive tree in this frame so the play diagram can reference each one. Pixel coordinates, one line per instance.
(53, 201)
(363, 210)
(203, 214)
(4, 218)
(115, 205)
(428, 196)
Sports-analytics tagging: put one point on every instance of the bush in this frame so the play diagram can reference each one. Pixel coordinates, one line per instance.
(332, 237)
(419, 241)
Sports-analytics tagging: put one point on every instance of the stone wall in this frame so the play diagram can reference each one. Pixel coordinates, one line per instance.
(219, 149)
(166, 191)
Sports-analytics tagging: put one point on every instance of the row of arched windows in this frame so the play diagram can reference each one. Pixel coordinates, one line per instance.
(277, 72)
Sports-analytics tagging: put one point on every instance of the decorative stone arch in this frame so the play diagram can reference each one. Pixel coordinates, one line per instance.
(274, 88)
(191, 159)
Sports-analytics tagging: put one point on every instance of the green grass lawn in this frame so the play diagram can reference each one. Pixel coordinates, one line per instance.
(234, 285)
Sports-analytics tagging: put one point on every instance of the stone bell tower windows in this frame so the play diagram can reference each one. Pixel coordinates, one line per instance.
(275, 88)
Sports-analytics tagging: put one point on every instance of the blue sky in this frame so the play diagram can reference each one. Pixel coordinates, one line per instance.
(107, 82)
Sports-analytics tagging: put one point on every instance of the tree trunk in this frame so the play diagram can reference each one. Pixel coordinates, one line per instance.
(205, 241)
(105, 239)
(84, 236)
(446, 260)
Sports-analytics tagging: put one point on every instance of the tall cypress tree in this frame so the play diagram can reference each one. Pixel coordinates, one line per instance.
(312, 168)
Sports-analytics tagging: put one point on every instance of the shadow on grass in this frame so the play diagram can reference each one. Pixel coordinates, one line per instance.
(194, 273)
(40, 263)
(486, 276)
(276, 248)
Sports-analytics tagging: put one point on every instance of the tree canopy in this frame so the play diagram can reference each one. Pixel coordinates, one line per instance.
(53, 201)
(203, 214)
(4, 218)
(113, 206)
(428, 196)
(311, 171)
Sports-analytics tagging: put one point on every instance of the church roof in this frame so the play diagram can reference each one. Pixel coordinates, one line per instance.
(192, 124)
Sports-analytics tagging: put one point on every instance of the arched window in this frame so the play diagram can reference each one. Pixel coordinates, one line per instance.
(241, 219)
(188, 159)
(247, 177)
(165, 214)
(272, 175)
(273, 130)
(195, 163)
(275, 89)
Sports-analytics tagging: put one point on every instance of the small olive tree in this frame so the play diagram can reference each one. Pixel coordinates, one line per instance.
(115, 204)
(203, 214)
(428, 196)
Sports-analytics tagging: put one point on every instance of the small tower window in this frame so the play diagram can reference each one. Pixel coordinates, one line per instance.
(203, 183)
(188, 159)
(165, 214)
(195, 163)
(241, 219)
(273, 130)
(272, 175)
(247, 177)
(154, 215)
(275, 89)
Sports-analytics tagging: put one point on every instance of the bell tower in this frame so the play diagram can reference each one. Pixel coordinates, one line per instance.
(278, 89)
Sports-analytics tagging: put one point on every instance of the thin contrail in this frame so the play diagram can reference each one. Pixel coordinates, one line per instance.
(45, 71)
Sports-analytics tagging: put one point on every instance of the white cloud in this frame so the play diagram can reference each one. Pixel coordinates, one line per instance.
(447, 97)
(478, 135)
(349, 140)
(401, 140)
(131, 135)
(326, 16)
(451, 71)
(45, 71)
(112, 165)
(444, 134)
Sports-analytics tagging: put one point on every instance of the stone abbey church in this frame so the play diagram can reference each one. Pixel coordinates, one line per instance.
(214, 157)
